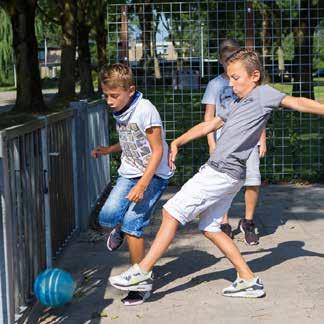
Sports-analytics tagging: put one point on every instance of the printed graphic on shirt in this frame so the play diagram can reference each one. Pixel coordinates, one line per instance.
(136, 150)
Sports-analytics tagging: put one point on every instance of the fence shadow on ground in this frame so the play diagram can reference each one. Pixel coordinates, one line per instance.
(91, 266)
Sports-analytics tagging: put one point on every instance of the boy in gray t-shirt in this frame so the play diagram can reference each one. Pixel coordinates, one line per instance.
(217, 182)
(217, 89)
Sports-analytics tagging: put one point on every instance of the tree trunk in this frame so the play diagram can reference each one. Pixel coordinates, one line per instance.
(302, 63)
(157, 72)
(101, 42)
(84, 62)
(67, 75)
(303, 51)
(29, 90)
(146, 24)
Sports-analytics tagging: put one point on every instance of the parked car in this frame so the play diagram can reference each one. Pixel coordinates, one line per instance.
(319, 73)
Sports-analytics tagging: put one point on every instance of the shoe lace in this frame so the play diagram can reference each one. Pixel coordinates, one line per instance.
(117, 235)
(249, 226)
(127, 273)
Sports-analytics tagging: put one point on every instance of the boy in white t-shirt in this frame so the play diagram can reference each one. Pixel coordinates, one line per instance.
(215, 88)
(144, 170)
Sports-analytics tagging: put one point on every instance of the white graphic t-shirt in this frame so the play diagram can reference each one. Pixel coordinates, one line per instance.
(136, 150)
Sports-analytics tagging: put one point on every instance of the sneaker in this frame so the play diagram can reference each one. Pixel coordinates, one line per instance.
(252, 288)
(133, 279)
(115, 239)
(136, 298)
(250, 232)
(227, 229)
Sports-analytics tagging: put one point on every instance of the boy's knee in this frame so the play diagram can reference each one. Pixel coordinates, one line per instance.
(206, 234)
(108, 215)
(210, 235)
(167, 217)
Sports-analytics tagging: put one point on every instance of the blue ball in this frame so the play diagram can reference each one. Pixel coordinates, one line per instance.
(54, 287)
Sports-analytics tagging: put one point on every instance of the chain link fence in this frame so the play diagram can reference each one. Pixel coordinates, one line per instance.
(172, 48)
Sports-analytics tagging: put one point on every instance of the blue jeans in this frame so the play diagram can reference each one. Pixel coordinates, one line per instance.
(133, 217)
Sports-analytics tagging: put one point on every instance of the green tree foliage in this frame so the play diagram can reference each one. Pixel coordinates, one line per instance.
(6, 50)
(22, 18)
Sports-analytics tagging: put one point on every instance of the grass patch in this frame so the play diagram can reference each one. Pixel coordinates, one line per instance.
(295, 141)
(8, 88)
(13, 118)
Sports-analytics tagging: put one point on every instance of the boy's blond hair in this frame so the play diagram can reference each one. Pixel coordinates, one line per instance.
(250, 60)
(117, 75)
(227, 48)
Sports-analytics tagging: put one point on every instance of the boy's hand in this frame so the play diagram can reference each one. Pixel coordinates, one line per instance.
(262, 150)
(137, 193)
(173, 151)
(100, 150)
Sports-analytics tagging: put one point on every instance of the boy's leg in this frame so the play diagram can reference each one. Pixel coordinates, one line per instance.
(163, 239)
(246, 285)
(226, 227)
(136, 251)
(252, 186)
(136, 218)
(139, 276)
(198, 194)
(112, 213)
(232, 253)
(136, 248)
(251, 199)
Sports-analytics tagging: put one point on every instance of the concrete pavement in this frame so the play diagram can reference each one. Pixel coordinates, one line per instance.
(190, 277)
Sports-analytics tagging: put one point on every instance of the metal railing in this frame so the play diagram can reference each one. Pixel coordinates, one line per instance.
(49, 185)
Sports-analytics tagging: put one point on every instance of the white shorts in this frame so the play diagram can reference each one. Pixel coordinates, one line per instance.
(253, 176)
(208, 193)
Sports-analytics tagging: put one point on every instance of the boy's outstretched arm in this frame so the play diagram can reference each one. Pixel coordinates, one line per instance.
(104, 150)
(209, 115)
(303, 105)
(263, 143)
(195, 132)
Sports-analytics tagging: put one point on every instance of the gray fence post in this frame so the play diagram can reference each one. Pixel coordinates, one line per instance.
(7, 303)
(80, 165)
(75, 170)
(47, 211)
(3, 294)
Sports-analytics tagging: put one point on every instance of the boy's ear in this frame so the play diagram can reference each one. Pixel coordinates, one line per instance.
(132, 90)
(256, 75)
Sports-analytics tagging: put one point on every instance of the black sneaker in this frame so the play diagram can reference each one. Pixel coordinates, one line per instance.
(250, 232)
(227, 229)
(115, 239)
(136, 298)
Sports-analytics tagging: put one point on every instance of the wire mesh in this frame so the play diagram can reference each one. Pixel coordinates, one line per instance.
(172, 48)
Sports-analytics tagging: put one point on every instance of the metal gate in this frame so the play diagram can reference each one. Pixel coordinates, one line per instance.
(172, 49)
(49, 186)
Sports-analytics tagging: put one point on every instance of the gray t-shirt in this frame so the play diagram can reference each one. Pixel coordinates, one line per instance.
(244, 120)
(211, 95)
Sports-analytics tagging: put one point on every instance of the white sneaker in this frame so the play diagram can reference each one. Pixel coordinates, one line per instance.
(133, 279)
(252, 288)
